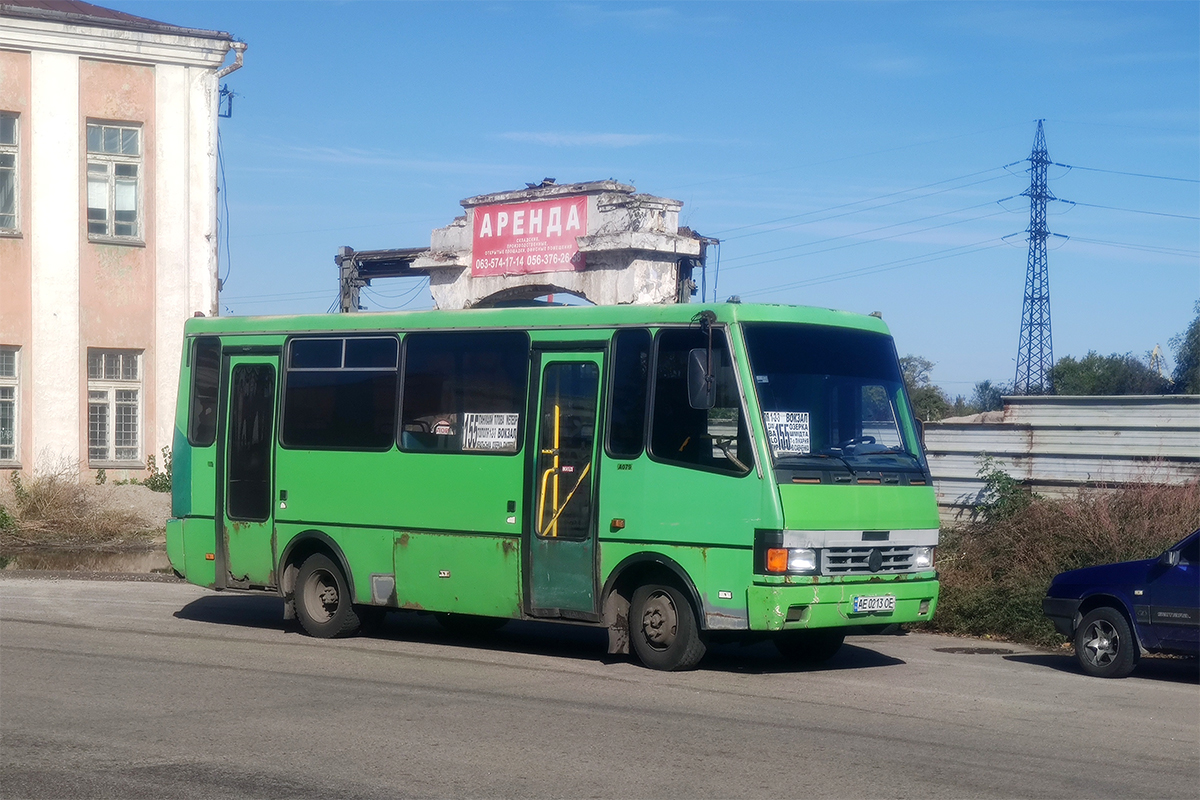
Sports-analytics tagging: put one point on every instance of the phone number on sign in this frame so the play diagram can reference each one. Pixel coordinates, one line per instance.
(548, 259)
(503, 262)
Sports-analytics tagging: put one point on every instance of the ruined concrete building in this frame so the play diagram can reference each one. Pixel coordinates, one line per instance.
(600, 241)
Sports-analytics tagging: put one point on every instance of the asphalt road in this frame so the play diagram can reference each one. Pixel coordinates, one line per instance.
(165, 690)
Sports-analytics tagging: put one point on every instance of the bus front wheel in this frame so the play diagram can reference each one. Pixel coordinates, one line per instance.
(323, 602)
(663, 629)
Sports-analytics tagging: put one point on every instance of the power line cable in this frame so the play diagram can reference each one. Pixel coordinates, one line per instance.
(225, 200)
(860, 210)
(886, 266)
(855, 202)
(1149, 248)
(1128, 210)
(1131, 174)
(871, 230)
(275, 295)
(871, 241)
(413, 295)
(844, 158)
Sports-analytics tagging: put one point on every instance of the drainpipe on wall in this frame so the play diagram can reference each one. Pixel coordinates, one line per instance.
(239, 48)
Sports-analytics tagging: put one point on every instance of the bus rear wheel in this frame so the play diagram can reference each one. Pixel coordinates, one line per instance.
(323, 603)
(663, 629)
(811, 646)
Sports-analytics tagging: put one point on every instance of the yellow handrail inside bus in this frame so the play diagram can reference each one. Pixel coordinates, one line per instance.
(554, 520)
(551, 528)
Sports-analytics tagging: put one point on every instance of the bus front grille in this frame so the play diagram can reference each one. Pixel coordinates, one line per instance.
(858, 560)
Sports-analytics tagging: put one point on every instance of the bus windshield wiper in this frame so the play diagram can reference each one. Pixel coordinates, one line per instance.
(896, 451)
(798, 456)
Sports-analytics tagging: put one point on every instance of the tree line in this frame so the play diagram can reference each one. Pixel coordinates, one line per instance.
(1093, 374)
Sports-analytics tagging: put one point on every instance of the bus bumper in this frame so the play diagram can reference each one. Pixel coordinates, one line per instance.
(175, 544)
(831, 605)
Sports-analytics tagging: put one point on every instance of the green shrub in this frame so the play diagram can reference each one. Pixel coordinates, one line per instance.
(159, 481)
(994, 572)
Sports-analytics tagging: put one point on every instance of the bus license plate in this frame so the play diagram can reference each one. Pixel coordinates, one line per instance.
(870, 604)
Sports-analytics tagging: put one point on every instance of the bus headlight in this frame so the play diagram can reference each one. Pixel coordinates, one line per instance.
(796, 560)
(802, 559)
(922, 558)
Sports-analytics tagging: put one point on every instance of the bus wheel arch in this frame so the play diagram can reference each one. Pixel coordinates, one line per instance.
(296, 553)
(642, 569)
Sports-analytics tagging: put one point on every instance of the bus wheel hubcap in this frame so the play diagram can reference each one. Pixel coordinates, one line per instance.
(659, 620)
(322, 596)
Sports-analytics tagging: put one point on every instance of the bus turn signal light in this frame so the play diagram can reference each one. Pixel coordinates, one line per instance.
(210, 557)
(777, 559)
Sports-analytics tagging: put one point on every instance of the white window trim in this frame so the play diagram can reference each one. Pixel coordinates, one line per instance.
(109, 160)
(110, 387)
(14, 382)
(15, 150)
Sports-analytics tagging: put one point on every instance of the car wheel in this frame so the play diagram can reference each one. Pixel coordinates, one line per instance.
(1105, 645)
(323, 602)
(663, 629)
(810, 646)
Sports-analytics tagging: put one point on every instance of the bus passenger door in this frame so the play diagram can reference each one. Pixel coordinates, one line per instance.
(248, 474)
(561, 534)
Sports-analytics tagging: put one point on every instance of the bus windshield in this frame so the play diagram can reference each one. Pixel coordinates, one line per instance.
(832, 397)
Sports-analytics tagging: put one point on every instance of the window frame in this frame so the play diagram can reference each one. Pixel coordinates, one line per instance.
(523, 406)
(13, 382)
(193, 422)
(284, 380)
(743, 403)
(110, 387)
(110, 162)
(611, 393)
(14, 149)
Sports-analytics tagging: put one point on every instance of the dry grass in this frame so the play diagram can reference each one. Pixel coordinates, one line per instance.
(53, 509)
(995, 573)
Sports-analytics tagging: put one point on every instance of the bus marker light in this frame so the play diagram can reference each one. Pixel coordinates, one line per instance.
(443, 573)
(777, 559)
(725, 595)
(618, 524)
(210, 557)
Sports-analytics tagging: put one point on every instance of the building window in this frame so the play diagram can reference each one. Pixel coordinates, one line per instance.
(8, 172)
(114, 162)
(9, 377)
(114, 406)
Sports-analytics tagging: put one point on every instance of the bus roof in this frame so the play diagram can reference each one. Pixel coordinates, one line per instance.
(526, 317)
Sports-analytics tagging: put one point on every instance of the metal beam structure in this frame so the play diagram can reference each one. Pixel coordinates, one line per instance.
(1035, 351)
(358, 269)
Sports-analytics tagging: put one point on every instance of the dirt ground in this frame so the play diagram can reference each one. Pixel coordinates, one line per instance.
(151, 508)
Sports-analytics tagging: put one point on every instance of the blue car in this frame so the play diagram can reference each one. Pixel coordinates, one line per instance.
(1116, 612)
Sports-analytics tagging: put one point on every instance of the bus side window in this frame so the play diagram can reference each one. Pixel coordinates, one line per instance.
(206, 375)
(464, 392)
(630, 384)
(715, 438)
(340, 394)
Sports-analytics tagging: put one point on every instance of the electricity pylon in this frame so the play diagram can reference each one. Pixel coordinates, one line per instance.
(1035, 352)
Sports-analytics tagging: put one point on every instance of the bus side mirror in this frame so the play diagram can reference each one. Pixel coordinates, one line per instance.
(702, 388)
(1169, 559)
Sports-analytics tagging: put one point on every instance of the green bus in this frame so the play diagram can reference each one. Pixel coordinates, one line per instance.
(674, 474)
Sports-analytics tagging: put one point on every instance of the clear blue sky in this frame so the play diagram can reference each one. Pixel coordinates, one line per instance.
(874, 132)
